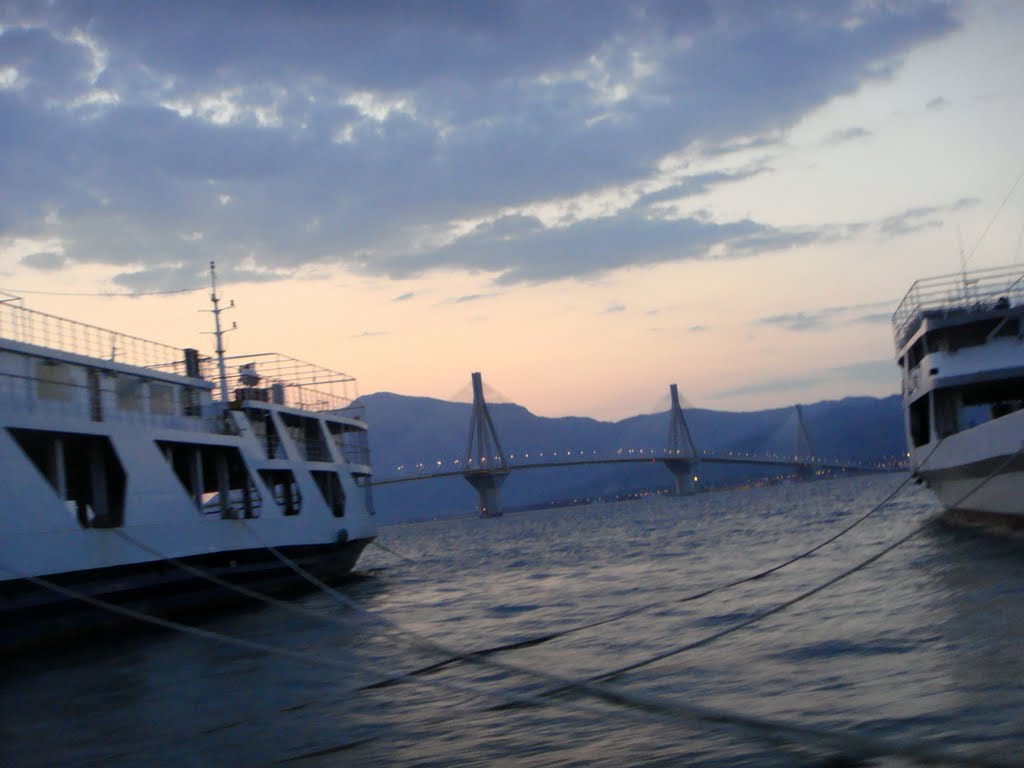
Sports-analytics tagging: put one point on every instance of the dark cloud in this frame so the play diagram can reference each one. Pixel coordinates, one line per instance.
(615, 309)
(698, 328)
(404, 296)
(45, 261)
(342, 133)
(588, 247)
(939, 102)
(696, 185)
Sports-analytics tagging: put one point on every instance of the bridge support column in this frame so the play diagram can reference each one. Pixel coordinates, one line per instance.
(486, 466)
(488, 487)
(682, 472)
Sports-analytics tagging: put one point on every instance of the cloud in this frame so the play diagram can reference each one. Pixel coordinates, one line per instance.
(366, 334)
(368, 134)
(469, 297)
(404, 296)
(874, 372)
(825, 318)
(916, 219)
(615, 309)
(45, 261)
(938, 103)
(846, 135)
(698, 328)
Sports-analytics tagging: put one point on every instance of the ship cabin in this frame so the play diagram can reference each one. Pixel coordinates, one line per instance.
(93, 411)
(960, 348)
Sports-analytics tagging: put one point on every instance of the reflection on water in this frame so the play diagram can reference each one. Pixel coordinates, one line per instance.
(924, 645)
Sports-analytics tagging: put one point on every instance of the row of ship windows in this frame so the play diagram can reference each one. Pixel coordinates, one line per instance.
(87, 475)
(58, 382)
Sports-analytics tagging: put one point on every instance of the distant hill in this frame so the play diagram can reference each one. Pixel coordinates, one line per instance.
(409, 430)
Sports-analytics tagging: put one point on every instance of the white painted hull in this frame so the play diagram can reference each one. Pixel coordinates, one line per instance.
(100, 492)
(979, 471)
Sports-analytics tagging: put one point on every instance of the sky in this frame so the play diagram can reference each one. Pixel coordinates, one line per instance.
(586, 201)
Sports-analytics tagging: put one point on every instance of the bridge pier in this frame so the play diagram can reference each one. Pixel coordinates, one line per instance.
(486, 466)
(487, 484)
(682, 474)
(681, 452)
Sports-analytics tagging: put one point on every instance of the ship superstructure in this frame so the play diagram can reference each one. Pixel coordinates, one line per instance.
(960, 348)
(116, 455)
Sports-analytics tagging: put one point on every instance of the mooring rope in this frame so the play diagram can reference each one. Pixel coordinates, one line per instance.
(762, 729)
(852, 745)
(547, 637)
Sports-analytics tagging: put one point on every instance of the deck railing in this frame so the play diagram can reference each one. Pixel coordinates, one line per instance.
(288, 381)
(981, 290)
(29, 326)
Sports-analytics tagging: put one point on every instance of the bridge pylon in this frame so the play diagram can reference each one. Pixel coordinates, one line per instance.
(486, 466)
(804, 453)
(681, 453)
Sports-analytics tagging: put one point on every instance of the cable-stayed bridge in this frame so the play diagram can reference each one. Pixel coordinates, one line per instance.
(485, 465)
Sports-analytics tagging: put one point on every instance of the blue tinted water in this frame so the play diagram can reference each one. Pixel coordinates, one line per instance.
(926, 645)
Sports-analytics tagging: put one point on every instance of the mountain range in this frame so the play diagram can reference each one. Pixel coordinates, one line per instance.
(410, 431)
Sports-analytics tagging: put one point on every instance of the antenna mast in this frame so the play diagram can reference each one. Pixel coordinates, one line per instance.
(218, 333)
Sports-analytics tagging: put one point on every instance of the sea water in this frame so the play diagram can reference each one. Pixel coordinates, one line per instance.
(923, 647)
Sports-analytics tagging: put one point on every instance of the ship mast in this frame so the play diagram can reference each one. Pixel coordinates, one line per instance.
(218, 333)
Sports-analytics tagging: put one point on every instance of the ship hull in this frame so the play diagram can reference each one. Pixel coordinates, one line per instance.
(35, 616)
(978, 474)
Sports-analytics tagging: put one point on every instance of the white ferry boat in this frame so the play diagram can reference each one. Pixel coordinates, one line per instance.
(960, 346)
(118, 454)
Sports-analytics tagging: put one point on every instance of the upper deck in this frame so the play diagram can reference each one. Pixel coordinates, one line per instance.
(957, 295)
(79, 347)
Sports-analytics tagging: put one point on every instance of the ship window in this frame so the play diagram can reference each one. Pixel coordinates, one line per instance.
(214, 477)
(53, 380)
(351, 442)
(284, 489)
(83, 470)
(129, 393)
(331, 490)
(265, 431)
(161, 398)
(919, 428)
(307, 437)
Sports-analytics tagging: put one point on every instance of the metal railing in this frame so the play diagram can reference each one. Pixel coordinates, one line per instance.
(981, 290)
(289, 381)
(29, 326)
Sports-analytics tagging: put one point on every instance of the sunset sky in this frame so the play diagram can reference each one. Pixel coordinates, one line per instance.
(584, 200)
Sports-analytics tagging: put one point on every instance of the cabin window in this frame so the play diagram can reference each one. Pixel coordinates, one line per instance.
(307, 437)
(129, 393)
(331, 490)
(919, 428)
(366, 483)
(83, 470)
(265, 432)
(284, 489)
(351, 442)
(54, 380)
(215, 478)
(161, 399)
